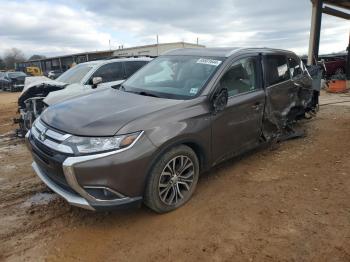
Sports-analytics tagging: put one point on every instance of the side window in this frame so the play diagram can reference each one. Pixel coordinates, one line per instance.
(276, 69)
(241, 77)
(132, 66)
(110, 72)
(295, 66)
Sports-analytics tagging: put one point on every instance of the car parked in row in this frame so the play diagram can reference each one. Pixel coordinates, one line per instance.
(12, 81)
(334, 66)
(79, 80)
(183, 113)
(53, 74)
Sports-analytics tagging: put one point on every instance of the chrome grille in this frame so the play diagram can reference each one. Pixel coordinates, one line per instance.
(50, 138)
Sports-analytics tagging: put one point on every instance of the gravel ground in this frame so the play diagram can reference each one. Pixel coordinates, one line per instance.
(289, 203)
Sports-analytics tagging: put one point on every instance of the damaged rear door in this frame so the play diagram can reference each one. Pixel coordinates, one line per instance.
(280, 91)
(288, 93)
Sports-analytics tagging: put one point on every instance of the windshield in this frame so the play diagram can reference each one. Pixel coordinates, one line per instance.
(75, 74)
(176, 77)
(16, 74)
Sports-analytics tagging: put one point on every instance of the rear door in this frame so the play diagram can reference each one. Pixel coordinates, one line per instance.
(238, 127)
(132, 66)
(280, 91)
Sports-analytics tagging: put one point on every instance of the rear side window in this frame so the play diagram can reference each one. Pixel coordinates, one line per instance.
(132, 66)
(276, 69)
(110, 72)
(295, 68)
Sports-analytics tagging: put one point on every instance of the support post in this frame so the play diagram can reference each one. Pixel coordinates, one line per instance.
(60, 62)
(41, 66)
(315, 31)
(348, 62)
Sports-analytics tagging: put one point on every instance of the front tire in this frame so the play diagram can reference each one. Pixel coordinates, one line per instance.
(172, 180)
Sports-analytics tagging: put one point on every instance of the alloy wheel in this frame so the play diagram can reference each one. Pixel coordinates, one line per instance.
(176, 180)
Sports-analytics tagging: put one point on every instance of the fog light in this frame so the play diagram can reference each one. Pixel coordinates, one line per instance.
(103, 193)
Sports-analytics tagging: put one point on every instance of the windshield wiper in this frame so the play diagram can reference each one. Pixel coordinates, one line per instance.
(143, 93)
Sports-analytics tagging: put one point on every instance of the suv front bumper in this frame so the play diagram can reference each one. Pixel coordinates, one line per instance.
(121, 172)
(79, 201)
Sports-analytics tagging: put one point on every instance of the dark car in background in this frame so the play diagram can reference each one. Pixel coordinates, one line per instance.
(183, 113)
(12, 81)
(334, 66)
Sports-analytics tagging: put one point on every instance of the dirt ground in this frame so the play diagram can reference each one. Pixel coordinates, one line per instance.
(289, 203)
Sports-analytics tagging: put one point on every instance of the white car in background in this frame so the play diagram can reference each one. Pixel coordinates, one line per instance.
(79, 80)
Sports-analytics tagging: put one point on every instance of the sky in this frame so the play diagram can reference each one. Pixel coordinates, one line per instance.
(62, 27)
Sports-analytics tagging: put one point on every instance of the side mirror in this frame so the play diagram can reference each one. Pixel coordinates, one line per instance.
(220, 100)
(95, 81)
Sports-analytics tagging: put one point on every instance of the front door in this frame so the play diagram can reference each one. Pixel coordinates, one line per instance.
(238, 127)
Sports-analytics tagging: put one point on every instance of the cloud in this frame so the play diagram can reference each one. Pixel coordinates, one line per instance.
(79, 25)
(48, 28)
(273, 23)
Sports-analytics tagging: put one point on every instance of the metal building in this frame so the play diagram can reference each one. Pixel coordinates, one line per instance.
(153, 50)
(65, 61)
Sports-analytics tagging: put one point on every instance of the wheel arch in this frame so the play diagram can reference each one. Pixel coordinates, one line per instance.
(198, 149)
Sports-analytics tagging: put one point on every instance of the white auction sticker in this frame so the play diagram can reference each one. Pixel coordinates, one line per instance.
(207, 61)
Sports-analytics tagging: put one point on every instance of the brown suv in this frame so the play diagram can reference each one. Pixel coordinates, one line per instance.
(150, 138)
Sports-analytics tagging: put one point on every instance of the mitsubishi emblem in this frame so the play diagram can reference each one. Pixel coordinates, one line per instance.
(42, 135)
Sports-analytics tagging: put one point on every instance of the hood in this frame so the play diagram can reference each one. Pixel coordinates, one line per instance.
(38, 80)
(102, 113)
(38, 86)
(18, 79)
(70, 91)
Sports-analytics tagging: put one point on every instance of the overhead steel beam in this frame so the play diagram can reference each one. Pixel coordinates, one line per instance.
(334, 12)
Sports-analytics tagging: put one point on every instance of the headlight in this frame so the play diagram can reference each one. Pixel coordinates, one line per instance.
(87, 145)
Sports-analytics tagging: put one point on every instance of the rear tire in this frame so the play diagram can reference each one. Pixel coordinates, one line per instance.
(172, 180)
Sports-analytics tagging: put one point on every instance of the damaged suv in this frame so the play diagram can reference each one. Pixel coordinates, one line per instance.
(181, 114)
(82, 79)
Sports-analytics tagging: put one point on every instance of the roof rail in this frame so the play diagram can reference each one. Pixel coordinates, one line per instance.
(130, 56)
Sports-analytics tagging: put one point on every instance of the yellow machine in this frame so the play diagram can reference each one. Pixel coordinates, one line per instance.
(34, 71)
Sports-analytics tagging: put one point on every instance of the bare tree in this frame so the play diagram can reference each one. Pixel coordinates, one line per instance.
(37, 57)
(12, 56)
